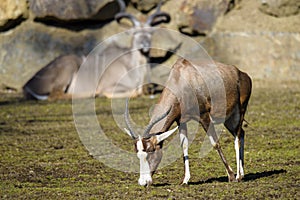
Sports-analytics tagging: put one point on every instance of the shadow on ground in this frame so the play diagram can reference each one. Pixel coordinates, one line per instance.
(248, 177)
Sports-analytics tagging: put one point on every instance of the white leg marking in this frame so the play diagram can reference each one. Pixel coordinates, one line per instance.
(184, 145)
(242, 169)
(238, 161)
(145, 176)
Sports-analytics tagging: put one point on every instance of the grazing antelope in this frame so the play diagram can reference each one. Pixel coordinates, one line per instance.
(135, 60)
(187, 97)
(55, 79)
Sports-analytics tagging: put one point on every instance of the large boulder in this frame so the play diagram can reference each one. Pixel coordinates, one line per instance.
(262, 45)
(196, 17)
(73, 9)
(264, 55)
(246, 17)
(266, 47)
(280, 8)
(12, 13)
(29, 47)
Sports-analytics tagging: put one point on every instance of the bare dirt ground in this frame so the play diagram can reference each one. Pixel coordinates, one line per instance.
(42, 156)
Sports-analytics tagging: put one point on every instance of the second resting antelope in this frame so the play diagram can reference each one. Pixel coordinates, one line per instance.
(55, 80)
(187, 97)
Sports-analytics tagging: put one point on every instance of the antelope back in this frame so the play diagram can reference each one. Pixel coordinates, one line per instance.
(56, 76)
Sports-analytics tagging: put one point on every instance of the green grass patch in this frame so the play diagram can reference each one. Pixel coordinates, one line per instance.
(42, 157)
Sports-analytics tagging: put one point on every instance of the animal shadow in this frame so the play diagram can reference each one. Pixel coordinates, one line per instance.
(248, 177)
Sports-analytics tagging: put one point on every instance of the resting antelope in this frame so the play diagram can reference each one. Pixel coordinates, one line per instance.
(135, 59)
(59, 76)
(56, 78)
(186, 80)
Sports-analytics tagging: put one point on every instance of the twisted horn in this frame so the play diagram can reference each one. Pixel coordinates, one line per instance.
(122, 5)
(149, 127)
(122, 14)
(127, 121)
(151, 19)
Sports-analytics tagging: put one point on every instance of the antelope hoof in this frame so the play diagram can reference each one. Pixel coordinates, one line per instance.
(184, 182)
(232, 179)
(148, 184)
(239, 179)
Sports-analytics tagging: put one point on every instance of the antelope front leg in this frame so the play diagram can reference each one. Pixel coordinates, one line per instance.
(239, 149)
(185, 146)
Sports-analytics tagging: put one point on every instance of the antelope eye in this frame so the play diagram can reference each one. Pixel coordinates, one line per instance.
(151, 150)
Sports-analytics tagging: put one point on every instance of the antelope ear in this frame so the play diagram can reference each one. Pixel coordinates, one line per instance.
(165, 135)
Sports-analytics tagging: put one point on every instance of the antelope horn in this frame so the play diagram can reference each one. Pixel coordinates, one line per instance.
(149, 127)
(151, 19)
(130, 131)
(122, 5)
(122, 14)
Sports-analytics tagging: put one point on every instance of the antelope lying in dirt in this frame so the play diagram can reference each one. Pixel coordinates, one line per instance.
(187, 97)
(55, 79)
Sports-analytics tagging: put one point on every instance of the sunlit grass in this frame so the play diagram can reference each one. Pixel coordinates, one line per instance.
(42, 157)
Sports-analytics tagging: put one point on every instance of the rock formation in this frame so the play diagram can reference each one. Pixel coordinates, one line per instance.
(262, 37)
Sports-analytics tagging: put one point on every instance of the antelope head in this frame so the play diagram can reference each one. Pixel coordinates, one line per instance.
(142, 33)
(148, 146)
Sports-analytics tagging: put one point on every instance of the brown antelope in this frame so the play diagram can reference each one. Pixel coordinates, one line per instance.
(56, 78)
(187, 97)
(135, 60)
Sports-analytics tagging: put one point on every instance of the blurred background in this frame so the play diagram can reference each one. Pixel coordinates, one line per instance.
(262, 37)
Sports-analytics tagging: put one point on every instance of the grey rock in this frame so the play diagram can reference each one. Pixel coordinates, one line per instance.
(74, 9)
(31, 46)
(280, 8)
(196, 17)
(264, 55)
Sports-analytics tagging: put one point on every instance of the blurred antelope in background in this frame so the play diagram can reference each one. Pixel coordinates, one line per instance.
(59, 76)
(55, 80)
(134, 62)
(187, 97)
